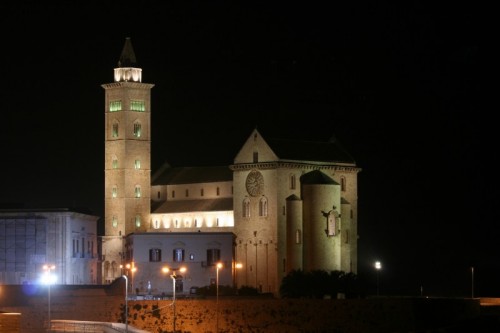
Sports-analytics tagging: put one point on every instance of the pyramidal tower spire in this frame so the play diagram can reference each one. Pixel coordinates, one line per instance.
(127, 58)
(127, 65)
(127, 164)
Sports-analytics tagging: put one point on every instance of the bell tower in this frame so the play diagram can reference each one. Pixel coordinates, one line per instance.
(127, 160)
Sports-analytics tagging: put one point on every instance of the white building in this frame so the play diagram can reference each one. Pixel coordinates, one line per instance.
(30, 239)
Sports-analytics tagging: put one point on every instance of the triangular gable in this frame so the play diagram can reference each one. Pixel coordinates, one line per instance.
(257, 146)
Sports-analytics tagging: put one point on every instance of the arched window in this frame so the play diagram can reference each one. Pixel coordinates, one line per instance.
(137, 191)
(137, 105)
(114, 191)
(114, 131)
(263, 206)
(178, 255)
(298, 236)
(114, 221)
(246, 207)
(213, 256)
(137, 164)
(155, 255)
(114, 162)
(107, 266)
(137, 129)
(342, 184)
(115, 106)
(138, 221)
(292, 182)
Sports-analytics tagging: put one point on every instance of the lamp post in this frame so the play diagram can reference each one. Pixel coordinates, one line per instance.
(218, 266)
(378, 267)
(131, 268)
(126, 302)
(237, 266)
(49, 279)
(174, 278)
(472, 281)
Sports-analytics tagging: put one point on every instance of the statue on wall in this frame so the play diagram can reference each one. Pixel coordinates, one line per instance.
(332, 221)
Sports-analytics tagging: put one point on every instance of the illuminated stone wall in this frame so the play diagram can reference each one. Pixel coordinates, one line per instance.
(249, 315)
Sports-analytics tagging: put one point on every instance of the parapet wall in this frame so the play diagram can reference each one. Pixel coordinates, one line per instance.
(264, 315)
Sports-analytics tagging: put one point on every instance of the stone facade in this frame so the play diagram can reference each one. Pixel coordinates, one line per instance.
(253, 202)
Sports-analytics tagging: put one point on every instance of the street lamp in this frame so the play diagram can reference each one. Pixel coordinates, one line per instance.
(378, 267)
(49, 279)
(126, 302)
(237, 266)
(174, 278)
(218, 266)
(132, 269)
(472, 281)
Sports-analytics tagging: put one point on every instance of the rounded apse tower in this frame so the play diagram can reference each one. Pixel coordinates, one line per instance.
(321, 222)
(294, 231)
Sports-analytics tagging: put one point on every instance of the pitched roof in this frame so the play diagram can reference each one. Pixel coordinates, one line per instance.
(127, 58)
(191, 175)
(331, 151)
(317, 177)
(199, 205)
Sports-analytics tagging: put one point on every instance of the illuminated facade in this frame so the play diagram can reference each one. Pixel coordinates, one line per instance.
(289, 204)
(31, 238)
(127, 165)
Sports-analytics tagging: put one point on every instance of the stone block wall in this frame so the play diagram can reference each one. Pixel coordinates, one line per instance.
(242, 315)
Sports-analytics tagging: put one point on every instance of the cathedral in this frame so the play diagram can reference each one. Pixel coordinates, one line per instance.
(281, 205)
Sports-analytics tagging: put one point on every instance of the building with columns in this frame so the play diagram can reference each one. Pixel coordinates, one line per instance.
(281, 205)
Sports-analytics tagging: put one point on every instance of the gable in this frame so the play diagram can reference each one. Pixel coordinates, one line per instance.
(255, 144)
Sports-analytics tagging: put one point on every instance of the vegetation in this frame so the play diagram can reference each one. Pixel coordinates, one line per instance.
(320, 284)
(211, 290)
(315, 284)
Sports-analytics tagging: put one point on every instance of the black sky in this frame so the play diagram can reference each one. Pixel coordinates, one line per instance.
(400, 85)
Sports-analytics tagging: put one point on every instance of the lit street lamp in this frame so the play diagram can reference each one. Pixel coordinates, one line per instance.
(218, 266)
(237, 266)
(126, 302)
(378, 267)
(49, 279)
(174, 278)
(472, 282)
(131, 268)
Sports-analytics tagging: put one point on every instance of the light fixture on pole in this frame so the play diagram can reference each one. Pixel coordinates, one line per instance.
(49, 279)
(174, 278)
(126, 302)
(218, 266)
(237, 266)
(472, 281)
(132, 269)
(378, 267)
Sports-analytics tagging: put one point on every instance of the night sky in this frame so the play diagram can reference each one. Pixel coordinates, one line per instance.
(399, 85)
